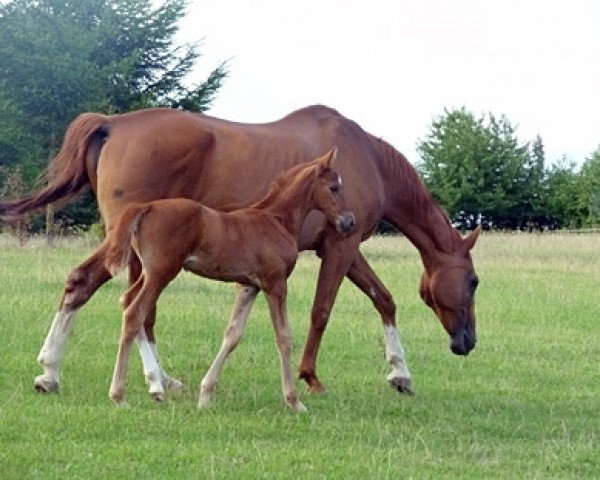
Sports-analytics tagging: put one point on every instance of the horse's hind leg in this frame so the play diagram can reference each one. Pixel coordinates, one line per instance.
(244, 299)
(81, 284)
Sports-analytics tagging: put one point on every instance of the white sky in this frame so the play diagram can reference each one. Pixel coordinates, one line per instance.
(392, 65)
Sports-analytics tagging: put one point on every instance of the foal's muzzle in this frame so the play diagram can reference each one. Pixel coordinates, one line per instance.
(346, 222)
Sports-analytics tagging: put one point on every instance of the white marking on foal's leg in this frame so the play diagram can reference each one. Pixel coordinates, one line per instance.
(52, 351)
(400, 376)
(169, 383)
(152, 370)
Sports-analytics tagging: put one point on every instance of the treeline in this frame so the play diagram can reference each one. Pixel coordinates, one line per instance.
(59, 58)
(482, 173)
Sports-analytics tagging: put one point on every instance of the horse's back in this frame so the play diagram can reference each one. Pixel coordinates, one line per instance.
(161, 153)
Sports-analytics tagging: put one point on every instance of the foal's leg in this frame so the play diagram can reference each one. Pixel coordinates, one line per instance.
(81, 284)
(336, 259)
(133, 320)
(244, 299)
(364, 277)
(148, 340)
(277, 306)
(152, 370)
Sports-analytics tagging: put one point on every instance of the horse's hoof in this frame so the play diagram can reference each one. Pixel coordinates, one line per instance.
(402, 384)
(314, 386)
(44, 385)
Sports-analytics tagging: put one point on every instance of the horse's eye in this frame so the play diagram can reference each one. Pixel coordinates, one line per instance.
(334, 188)
(474, 283)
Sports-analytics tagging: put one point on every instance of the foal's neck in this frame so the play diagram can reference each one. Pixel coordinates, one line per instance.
(290, 205)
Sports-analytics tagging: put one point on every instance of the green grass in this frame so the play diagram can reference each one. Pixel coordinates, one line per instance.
(524, 404)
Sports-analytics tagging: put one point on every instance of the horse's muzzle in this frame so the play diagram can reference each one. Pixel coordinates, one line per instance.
(346, 222)
(463, 341)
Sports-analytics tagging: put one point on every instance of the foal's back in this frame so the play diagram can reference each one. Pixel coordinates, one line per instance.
(239, 246)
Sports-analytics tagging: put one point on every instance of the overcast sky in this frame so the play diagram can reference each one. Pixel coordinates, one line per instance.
(392, 65)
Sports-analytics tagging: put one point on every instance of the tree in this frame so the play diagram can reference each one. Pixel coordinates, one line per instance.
(589, 190)
(563, 191)
(477, 167)
(59, 58)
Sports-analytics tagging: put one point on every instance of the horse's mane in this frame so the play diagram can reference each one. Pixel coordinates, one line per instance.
(422, 203)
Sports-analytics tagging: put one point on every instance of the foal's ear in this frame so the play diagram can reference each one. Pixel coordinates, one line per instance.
(327, 160)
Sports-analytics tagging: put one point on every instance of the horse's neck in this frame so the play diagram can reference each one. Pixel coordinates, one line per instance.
(412, 209)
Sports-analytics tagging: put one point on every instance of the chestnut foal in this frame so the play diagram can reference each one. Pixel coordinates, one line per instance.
(256, 247)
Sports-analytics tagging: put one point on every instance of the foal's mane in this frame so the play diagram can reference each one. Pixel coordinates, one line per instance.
(283, 184)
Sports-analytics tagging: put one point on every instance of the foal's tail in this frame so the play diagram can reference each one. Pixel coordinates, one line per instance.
(68, 173)
(118, 239)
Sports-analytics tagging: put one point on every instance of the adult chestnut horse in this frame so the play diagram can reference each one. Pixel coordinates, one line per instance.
(160, 153)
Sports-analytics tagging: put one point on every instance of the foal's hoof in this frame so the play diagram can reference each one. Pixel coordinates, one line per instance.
(173, 385)
(298, 407)
(45, 385)
(159, 397)
(204, 402)
(402, 384)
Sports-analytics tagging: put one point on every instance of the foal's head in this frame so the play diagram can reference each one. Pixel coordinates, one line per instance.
(328, 196)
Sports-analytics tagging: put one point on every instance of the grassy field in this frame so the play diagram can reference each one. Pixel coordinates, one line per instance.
(524, 404)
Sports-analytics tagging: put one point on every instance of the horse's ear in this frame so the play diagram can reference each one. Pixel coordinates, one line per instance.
(469, 242)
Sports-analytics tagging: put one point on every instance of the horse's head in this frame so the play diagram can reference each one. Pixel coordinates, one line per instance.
(329, 196)
(448, 287)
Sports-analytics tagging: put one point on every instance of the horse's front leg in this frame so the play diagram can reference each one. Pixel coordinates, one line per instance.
(364, 277)
(81, 284)
(276, 298)
(336, 256)
(244, 299)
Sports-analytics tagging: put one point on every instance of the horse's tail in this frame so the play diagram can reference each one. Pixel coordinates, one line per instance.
(67, 174)
(118, 239)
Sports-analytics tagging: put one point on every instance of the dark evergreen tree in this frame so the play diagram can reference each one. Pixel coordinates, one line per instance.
(59, 58)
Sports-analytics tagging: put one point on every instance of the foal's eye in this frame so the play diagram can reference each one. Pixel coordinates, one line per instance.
(334, 188)
(474, 283)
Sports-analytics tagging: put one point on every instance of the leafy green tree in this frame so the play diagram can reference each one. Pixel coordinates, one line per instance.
(589, 190)
(477, 166)
(563, 193)
(532, 188)
(60, 57)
